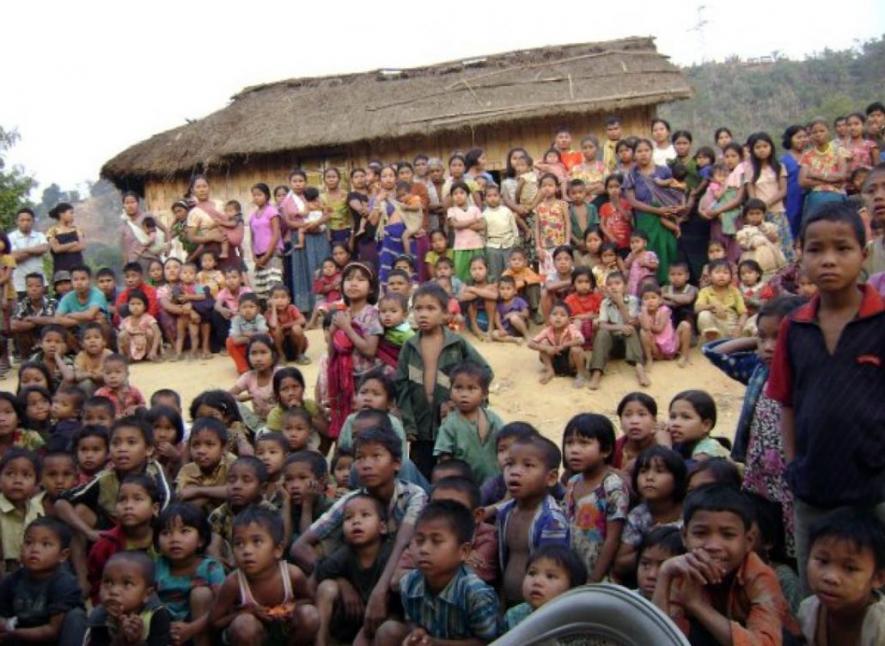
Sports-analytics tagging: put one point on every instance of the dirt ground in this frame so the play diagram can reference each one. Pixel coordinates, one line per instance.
(515, 392)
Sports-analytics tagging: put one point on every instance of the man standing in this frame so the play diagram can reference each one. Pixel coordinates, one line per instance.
(28, 248)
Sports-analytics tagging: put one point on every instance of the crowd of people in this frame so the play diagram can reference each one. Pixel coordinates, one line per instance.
(395, 506)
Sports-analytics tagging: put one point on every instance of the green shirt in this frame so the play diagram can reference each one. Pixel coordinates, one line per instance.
(459, 437)
(345, 438)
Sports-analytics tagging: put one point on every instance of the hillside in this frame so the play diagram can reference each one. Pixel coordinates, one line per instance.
(773, 95)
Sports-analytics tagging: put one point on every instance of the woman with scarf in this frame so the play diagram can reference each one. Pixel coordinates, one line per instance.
(383, 214)
(650, 204)
(305, 261)
(136, 243)
(204, 228)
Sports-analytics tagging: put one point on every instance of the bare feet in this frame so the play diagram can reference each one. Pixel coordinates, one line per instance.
(580, 382)
(546, 376)
(683, 360)
(595, 378)
(643, 379)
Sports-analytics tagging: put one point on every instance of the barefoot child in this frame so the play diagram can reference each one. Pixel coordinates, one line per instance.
(479, 291)
(502, 231)
(583, 302)
(468, 432)
(286, 325)
(557, 283)
(659, 339)
(618, 316)
(528, 283)
(89, 362)
(531, 518)
(466, 220)
(511, 313)
(139, 336)
(640, 262)
(597, 497)
(720, 307)
(327, 291)
(560, 348)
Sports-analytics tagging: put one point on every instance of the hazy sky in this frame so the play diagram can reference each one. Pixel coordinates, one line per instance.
(84, 80)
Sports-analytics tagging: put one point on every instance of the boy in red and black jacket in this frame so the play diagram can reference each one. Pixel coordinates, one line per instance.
(828, 373)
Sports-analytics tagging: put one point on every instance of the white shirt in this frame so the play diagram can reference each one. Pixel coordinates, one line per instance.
(660, 156)
(33, 264)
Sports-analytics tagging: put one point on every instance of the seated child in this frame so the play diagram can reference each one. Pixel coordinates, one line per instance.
(658, 545)
(315, 213)
(137, 508)
(451, 468)
(551, 571)
(584, 303)
(659, 338)
(751, 285)
(210, 277)
(227, 302)
(53, 355)
(133, 278)
(92, 447)
(692, 418)
(187, 579)
(678, 294)
(494, 489)
(106, 282)
(597, 497)
(846, 572)
(560, 347)
(272, 449)
(67, 406)
(345, 578)
(339, 472)
(641, 263)
(203, 481)
(720, 307)
(720, 590)
(609, 263)
(468, 431)
(528, 283)
(713, 471)
(130, 612)
(531, 518)
(297, 430)
(659, 479)
(139, 335)
(288, 391)
(286, 324)
(479, 297)
(256, 384)
(41, 601)
(442, 586)
(89, 362)
(326, 290)
(304, 475)
(246, 481)
(38, 407)
(439, 248)
(511, 314)
(618, 316)
(168, 434)
(247, 323)
(715, 251)
(98, 411)
(59, 474)
(127, 399)
(11, 421)
(20, 502)
(265, 600)
(392, 310)
(558, 281)
(758, 239)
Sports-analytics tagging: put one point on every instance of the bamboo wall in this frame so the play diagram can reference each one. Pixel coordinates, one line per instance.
(536, 137)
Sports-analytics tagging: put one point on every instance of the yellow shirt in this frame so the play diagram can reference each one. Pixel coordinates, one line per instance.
(13, 522)
(730, 298)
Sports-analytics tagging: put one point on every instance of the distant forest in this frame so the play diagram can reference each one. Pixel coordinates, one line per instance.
(750, 96)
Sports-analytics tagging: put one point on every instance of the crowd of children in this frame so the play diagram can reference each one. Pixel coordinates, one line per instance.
(396, 506)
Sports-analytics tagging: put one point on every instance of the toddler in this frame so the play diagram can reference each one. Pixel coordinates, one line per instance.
(232, 227)
(720, 307)
(139, 335)
(528, 283)
(245, 324)
(127, 399)
(678, 294)
(89, 362)
(511, 313)
(326, 289)
(659, 338)
(392, 310)
(640, 262)
(91, 447)
(751, 285)
(759, 239)
(67, 407)
(560, 347)
(609, 263)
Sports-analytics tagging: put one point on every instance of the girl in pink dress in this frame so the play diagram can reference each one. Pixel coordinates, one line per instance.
(140, 335)
(659, 339)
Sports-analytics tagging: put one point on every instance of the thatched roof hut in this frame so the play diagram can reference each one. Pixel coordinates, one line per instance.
(493, 102)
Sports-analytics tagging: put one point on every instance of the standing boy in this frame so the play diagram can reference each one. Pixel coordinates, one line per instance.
(28, 248)
(532, 517)
(828, 373)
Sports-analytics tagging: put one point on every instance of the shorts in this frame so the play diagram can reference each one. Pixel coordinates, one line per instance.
(562, 367)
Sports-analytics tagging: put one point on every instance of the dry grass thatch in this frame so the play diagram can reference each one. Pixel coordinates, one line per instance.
(328, 113)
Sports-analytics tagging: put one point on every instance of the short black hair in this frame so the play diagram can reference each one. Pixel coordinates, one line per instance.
(434, 291)
(835, 212)
(209, 424)
(77, 395)
(52, 327)
(251, 462)
(340, 452)
(550, 453)
(136, 422)
(313, 459)
(398, 272)
(105, 271)
(190, 515)
(458, 517)
(298, 412)
(379, 506)
(718, 497)
(474, 370)
(723, 470)
(383, 437)
(67, 455)
(18, 453)
(139, 559)
(672, 461)
(248, 297)
(37, 275)
(92, 430)
(780, 306)
(584, 272)
(754, 204)
(379, 375)
(875, 106)
(515, 430)
(83, 269)
(166, 392)
(565, 558)
(145, 482)
(62, 531)
(667, 537)
(592, 426)
(220, 400)
(462, 485)
(99, 401)
(455, 467)
(273, 436)
(133, 267)
(752, 265)
(860, 527)
(268, 520)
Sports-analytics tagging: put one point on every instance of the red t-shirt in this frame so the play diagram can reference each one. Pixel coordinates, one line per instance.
(620, 224)
(584, 304)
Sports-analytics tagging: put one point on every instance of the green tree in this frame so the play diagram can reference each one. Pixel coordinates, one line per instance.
(15, 185)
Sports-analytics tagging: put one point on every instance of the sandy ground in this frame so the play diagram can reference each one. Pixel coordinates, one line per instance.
(515, 392)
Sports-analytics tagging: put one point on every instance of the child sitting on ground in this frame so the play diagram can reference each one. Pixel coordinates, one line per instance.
(92, 447)
(20, 503)
(59, 475)
(659, 338)
(139, 336)
(751, 285)
(443, 533)
(679, 295)
(286, 324)
(618, 316)
(846, 572)
(127, 399)
(720, 307)
(715, 251)
(130, 612)
(560, 348)
(659, 545)
(583, 303)
(67, 407)
(759, 240)
(89, 361)
(720, 590)
(43, 596)
(528, 283)
(551, 571)
(531, 518)
(468, 431)
(346, 577)
(203, 481)
(245, 324)
(304, 475)
(511, 313)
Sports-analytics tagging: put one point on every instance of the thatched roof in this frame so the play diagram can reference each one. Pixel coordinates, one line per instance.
(334, 111)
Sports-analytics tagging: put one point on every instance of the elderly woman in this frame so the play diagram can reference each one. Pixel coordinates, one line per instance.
(306, 260)
(138, 244)
(204, 225)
